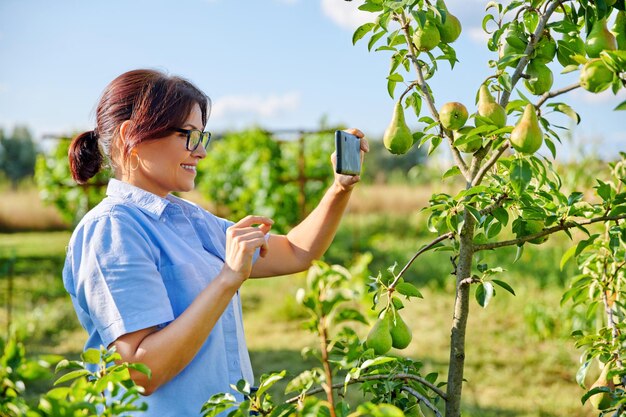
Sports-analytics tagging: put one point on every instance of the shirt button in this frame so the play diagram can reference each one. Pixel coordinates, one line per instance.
(163, 219)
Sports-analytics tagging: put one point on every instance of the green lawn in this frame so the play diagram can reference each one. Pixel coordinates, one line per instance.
(520, 361)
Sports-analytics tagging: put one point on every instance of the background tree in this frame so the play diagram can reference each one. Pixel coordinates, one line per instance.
(18, 154)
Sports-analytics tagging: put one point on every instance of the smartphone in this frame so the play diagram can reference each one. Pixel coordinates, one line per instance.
(348, 148)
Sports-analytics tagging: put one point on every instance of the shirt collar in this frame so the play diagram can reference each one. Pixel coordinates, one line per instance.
(148, 202)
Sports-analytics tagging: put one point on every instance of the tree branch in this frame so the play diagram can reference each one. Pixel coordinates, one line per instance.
(445, 236)
(494, 158)
(421, 83)
(498, 203)
(469, 281)
(423, 399)
(550, 94)
(546, 232)
(412, 377)
(327, 385)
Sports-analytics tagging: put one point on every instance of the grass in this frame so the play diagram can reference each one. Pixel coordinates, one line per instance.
(22, 210)
(520, 360)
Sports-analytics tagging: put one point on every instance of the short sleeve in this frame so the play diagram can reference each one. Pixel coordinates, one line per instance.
(118, 281)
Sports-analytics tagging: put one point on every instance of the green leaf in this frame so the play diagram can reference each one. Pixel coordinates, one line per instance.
(566, 256)
(72, 375)
(521, 174)
(582, 373)
(484, 293)
(140, 367)
(408, 290)
(518, 254)
(503, 285)
(270, 380)
(91, 356)
(349, 314)
(391, 87)
(567, 110)
(375, 37)
(371, 7)
(502, 215)
(455, 170)
(376, 361)
(362, 31)
(582, 245)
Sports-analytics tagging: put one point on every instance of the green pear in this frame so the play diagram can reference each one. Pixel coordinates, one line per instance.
(468, 147)
(602, 401)
(401, 334)
(398, 138)
(489, 108)
(539, 79)
(513, 42)
(453, 115)
(426, 37)
(527, 136)
(379, 337)
(619, 30)
(599, 39)
(571, 44)
(545, 48)
(595, 76)
(449, 30)
(530, 227)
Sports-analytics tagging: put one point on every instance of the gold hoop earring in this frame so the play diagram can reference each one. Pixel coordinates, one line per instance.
(133, 168)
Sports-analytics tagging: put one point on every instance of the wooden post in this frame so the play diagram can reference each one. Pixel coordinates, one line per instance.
(301, 178)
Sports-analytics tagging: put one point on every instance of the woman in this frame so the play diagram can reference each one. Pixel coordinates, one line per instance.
(158, 277)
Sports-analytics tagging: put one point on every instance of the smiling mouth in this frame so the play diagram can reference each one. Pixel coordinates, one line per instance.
(191, 168)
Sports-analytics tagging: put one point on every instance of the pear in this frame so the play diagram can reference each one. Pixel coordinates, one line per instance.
(527, 136)
(398, 138)
(570, 45)
(513, 42)
(545, 48)
(400, 333)
(426, 37)
(599, 39)
(595, 76)
(468, 147)
(453, 115)
(619, 29)
(379, 337)
(540, 78)
(530, 227)
(489, 108)
(602, 400)
(449, 30)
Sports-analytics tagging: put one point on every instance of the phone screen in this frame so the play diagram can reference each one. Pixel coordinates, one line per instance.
(348, 148)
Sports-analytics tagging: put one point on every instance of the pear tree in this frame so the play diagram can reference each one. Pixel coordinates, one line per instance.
(510, 187)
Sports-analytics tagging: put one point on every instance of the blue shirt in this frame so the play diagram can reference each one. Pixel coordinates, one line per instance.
(138, 260)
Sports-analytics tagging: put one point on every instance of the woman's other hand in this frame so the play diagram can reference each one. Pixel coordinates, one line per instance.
(242, 240)
(347, 182)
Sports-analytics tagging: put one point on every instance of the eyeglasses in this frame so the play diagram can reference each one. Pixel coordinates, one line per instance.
(194, 138)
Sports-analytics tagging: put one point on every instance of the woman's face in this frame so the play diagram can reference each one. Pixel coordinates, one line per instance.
(164, 165)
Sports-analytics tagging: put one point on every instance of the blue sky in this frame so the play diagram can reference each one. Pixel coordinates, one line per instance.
(273, 63)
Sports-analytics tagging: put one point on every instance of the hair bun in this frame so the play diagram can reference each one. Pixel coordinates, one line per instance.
(84, 156)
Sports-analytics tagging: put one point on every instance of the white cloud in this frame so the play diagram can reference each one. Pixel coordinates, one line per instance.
(478, 35)
(255, 105)
(606, 96)
(346, 13)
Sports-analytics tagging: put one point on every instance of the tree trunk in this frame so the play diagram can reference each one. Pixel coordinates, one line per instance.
(459, 322)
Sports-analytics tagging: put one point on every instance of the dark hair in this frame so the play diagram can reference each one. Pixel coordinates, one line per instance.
(154, 103)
